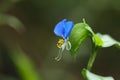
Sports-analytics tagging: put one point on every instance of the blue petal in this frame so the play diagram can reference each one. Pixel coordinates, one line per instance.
(59, 29)
(68, 28)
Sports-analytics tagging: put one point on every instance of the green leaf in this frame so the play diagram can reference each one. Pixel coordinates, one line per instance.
(78, 35)
(91, 76)
(24, 65)
(12, 22)
(108, 41)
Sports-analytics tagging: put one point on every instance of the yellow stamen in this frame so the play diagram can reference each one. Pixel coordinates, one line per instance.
(60, 43)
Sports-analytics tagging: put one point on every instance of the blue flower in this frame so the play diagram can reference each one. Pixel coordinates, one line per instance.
(63, 29)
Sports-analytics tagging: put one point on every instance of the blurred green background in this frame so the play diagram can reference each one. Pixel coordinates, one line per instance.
(28, 44)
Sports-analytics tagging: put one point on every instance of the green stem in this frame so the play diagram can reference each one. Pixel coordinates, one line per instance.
(92, 58)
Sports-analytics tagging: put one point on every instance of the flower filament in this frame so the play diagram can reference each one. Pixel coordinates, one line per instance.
(62, 44)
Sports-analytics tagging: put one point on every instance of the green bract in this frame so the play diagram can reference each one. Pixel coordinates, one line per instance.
(78, 35)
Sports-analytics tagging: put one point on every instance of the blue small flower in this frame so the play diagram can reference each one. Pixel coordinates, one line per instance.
(63, 29)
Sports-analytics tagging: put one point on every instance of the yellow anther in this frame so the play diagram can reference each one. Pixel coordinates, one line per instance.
(60, 43)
